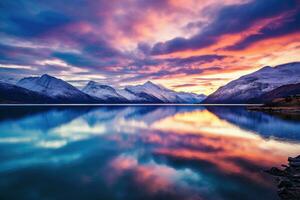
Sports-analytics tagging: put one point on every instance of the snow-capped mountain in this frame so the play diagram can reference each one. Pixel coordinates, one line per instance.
(191, 97)
(55, 88)
(251, 86)
(145, 93)
(130, 96)
(103, 92)
(150, 92)
(153, 92)
(10, 93)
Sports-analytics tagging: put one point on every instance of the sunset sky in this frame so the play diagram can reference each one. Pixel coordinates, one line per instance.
(185, 45)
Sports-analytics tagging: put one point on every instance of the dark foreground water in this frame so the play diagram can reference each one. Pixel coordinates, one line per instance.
(142, 152)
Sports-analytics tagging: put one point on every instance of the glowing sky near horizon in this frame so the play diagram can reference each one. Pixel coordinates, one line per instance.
(186, 45)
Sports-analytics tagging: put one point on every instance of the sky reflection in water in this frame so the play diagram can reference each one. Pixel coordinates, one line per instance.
(142, 152)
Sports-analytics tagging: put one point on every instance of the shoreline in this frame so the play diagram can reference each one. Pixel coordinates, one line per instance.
(292, 110)
(146, 104)
(287, 179)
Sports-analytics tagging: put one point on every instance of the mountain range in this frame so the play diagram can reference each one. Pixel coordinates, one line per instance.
(48, 89)
(261, 86)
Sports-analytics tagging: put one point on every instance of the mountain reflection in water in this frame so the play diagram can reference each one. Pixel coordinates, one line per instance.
(142, 152)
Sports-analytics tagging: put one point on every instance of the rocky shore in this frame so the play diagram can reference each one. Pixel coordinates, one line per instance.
(288, 179)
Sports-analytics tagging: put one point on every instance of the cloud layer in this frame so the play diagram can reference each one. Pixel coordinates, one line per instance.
(186, 45)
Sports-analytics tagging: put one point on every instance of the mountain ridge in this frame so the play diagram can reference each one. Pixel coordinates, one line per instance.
(104, 92)
(256, 87)
(247, 88)
(10, 93)
(60, 91)
(55, 88)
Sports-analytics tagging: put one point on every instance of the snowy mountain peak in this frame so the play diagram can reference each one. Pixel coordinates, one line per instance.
(92, 83)
(159, 93)
(149, 83)
(104, 92)
(248, 87)
(51, 82)
(52, 87)
(47, 76)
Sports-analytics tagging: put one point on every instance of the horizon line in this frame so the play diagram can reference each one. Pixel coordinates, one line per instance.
(113, 104)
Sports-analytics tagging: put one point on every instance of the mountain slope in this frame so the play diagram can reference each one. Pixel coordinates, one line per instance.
(149, 91)
(284, 96)
(130, 96)
(55, 88)
(281, 92)
(249, 87)
(104, 92)
(10, 93)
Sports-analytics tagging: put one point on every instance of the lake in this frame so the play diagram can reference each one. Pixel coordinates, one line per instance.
(142, 152)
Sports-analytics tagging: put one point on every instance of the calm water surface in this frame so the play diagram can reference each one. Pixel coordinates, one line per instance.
(142, 152)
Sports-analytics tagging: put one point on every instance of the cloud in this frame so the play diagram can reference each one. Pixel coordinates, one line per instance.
(195, 59)
(184, 85)
(133, 41)
(234, 19)
(288, 25)
(28, 26)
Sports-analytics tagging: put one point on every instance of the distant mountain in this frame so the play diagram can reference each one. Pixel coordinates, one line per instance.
(191, 97)
(145, 93)
(248, 88)
(56, 88)
(149, 92)
(157, 93)
(10, 93)
(133, 98)
(104, 92)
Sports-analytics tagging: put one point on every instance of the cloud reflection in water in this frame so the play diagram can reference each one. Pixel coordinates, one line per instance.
(142, 153)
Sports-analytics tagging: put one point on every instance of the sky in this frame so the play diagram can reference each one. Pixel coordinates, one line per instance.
(185, 45)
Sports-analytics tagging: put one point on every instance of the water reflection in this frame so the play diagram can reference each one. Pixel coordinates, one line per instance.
(142, 152)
